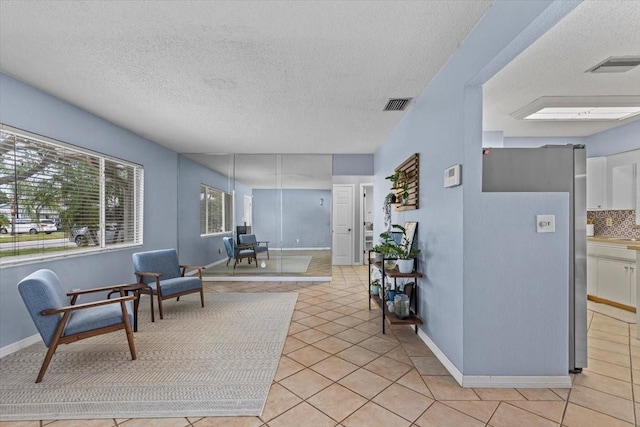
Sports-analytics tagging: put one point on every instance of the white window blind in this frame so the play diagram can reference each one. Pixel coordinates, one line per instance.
(93, 201)
(216, 211)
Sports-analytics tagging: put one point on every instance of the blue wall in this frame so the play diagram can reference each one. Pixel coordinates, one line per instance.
(617, 140)
(352, 164)
(24, 107)
(194, 249)
(613, 141)
(302, 218)
(481, 296)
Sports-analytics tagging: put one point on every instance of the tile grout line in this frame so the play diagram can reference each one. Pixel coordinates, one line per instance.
(633, 397)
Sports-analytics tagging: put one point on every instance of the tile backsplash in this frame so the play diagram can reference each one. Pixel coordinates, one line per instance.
(623, 222)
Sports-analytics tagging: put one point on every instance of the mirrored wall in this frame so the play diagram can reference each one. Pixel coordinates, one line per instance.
(261, 214)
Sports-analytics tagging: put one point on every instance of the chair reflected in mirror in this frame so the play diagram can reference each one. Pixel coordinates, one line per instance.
(258, 245)
(239, 252)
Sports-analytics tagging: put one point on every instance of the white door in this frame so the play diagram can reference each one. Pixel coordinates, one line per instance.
(248, 210)
(342, 240)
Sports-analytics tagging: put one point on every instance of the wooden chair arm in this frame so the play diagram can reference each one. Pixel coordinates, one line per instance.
(105, 288)
(193, 267)
(86, 305)
(245, 246)
(264, 241)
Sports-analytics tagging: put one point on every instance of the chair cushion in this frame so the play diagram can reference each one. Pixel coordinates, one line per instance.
(163, 261)
(89, 319)
(41, 290)
(244, 253)
(178, 285)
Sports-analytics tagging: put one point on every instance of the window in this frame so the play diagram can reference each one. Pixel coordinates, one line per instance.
(216, 211)
(69, 198)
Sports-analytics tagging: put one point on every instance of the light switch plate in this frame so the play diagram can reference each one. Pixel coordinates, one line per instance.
(546, 223)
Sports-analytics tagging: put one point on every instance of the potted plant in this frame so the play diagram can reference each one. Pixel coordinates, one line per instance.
(375, 287)
(404, 195)
(404, 252)
(394, 178)
(377, 253)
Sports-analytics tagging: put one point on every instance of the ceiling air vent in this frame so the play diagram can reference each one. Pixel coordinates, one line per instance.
(616, 65)
(397, 104)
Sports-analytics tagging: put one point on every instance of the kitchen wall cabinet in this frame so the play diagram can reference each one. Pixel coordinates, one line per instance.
(612, 182)
(623, 187)
(611, 273)
(596, 183)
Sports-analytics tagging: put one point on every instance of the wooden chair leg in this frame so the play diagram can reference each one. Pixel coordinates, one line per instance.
(127, 329)
(160, 306)
(202, 297)
(153, 317)
(47, 360)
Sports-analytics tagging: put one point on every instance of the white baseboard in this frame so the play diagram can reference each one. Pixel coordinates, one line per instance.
(16, 346)
(300, 249)
(266, 279)
(495, 381)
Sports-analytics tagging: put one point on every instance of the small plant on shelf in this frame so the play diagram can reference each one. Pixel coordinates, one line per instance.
(394, 178)
(404, 195)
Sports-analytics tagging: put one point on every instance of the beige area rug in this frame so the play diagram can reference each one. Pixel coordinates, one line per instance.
(218, 360)
(277, 264)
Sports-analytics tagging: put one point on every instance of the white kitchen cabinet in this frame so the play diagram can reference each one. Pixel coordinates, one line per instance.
(611, 273)
(614, 281)
(623, 187)
(596, 183)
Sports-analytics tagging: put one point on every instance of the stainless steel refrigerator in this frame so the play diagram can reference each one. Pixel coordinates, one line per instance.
(552, 168)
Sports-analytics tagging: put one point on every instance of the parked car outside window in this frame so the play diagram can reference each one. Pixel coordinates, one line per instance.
(48, 226)
(85, 236)
(22, 225)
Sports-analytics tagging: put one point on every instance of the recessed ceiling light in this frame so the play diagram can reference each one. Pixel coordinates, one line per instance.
(584, 113)
(613, 64)
(580, 108)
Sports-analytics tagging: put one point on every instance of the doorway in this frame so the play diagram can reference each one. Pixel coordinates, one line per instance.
(342, 220)
(366, 214)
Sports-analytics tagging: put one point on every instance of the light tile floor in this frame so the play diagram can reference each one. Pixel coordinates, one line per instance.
(338, 369)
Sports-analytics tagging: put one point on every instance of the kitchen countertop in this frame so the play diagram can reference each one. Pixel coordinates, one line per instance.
(632, 244)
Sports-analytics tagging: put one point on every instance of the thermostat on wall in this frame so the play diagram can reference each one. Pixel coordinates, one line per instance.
(452, 176)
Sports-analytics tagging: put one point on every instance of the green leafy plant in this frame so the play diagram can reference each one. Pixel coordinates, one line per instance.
(392, 249)
(394, 178)
(405, 193)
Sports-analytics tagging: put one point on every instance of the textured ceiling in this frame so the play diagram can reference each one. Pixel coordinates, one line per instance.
(237, 77)
(555, 65)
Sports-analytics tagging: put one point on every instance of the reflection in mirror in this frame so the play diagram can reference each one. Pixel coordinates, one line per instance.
(637, 165)
(281, 211)
(410, 232)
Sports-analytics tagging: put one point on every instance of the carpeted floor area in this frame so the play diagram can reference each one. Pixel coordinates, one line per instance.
(314, 263)
(218, 360)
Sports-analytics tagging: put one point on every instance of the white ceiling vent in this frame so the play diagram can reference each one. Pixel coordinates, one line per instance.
(618, 64)
(397, 104)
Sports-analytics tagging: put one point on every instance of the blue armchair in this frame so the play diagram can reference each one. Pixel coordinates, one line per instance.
(250, 240)
(238, 252)
(60, 320)
(163, 276)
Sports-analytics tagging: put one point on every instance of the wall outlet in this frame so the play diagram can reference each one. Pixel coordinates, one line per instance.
(609, 222)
